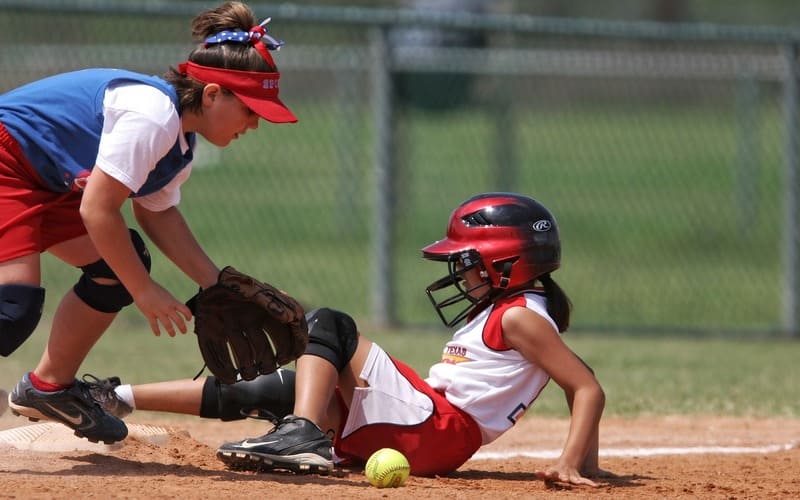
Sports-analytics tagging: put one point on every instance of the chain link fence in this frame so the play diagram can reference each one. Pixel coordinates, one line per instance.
(667, 152)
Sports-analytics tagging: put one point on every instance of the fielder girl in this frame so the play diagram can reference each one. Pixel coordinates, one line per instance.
(73, 148)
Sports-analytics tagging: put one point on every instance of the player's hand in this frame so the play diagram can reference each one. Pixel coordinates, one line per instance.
(162, 310)
(564, 474)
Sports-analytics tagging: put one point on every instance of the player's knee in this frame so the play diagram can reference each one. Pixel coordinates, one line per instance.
(332, 335)
(108, 298)
(273, 393)
(20, 312)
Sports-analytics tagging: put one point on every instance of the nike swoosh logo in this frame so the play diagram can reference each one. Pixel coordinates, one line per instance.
(77, 421)
(247, 444)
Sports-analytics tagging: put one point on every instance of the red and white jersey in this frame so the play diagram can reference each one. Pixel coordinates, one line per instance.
(480, 374)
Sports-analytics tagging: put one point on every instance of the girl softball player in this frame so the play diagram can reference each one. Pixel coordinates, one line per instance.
(73, 148)
(500, 250)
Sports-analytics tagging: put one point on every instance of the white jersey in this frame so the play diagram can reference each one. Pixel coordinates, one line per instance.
(480, 374)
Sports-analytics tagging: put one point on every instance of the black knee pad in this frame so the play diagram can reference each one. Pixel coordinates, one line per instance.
(273, 393)
(108, 298)
(20, 312)
(332, 335)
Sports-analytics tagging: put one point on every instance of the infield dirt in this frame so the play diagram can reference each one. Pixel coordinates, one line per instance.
(730, 458)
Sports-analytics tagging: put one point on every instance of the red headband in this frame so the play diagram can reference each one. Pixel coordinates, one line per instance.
(257, 90)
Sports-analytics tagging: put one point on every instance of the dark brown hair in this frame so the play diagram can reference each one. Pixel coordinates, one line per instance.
(559, 307)
(230, 16)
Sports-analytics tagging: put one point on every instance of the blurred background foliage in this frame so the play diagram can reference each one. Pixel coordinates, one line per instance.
(774, 12)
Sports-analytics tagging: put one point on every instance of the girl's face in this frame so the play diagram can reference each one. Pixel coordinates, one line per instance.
(473, 279)
(224, 117)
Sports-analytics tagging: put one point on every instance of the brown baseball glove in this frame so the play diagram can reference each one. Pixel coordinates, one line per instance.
(263, 327)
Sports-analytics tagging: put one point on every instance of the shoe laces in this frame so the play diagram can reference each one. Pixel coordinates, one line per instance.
(260, 414)
(101, 389)
(330, 433)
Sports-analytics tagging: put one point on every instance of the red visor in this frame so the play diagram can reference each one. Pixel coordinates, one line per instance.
(258, 90)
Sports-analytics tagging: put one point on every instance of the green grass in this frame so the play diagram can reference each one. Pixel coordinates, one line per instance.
(641, 375)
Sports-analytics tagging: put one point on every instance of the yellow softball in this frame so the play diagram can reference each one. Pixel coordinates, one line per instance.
(387, 468)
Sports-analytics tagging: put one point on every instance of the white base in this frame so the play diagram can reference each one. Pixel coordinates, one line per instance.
(51, 436)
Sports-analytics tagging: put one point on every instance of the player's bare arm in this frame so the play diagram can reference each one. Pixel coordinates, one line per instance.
(100, 210)
(535, 338)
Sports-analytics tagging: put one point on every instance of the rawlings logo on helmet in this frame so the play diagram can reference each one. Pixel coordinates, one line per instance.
(542, 226)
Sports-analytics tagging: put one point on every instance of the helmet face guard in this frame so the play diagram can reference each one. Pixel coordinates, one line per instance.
(511, 238)
(457, 266)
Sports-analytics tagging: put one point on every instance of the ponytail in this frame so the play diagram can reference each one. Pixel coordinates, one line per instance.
(559, 307)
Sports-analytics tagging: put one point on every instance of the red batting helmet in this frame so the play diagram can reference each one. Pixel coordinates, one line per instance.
(511, 238)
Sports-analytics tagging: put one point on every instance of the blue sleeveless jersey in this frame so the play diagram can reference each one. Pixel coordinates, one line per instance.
(57, 122)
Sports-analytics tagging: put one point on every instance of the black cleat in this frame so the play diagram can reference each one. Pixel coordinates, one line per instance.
(295, 444)
(73, 407)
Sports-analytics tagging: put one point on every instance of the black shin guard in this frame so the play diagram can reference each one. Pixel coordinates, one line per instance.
(273, 393)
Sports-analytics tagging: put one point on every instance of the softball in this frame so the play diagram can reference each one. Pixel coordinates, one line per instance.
(387, 468)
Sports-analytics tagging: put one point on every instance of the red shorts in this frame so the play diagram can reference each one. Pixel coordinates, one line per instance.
(435, 436)
(32, 218)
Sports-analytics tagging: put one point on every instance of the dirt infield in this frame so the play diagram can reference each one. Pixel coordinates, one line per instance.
(673, 457)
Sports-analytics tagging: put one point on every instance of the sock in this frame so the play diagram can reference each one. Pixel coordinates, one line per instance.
(41, 385)
(125, 393)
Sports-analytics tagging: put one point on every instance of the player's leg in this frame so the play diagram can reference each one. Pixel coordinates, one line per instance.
(206, 397)
(334, 357)
(317, 379)
(21, 296)
(51, 391)
(33, 220)
(269, 396)
(21, 301)
(300, 442)
(77, 326)
(315, 390)
(174, 396)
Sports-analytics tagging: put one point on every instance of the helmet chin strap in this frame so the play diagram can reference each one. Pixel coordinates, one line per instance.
(505, 277)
